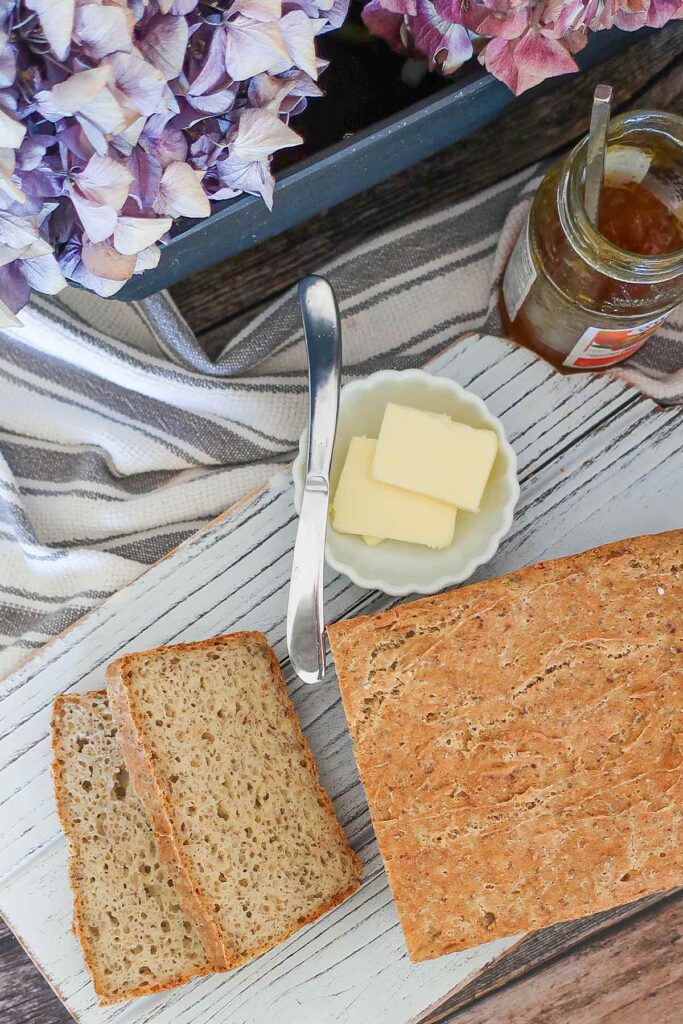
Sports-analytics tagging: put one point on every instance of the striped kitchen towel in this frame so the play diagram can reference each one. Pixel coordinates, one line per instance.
(119, 436)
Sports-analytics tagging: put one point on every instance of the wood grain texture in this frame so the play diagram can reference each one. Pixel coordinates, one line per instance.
(589, 443)
(629, 975)
(648, 74)
(25, 996)
(538, 949)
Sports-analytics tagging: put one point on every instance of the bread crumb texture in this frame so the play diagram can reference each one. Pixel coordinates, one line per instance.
(520, 741)
(254, 827)
(134, 935)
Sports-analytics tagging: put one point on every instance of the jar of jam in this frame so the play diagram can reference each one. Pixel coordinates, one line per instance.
(584, 296)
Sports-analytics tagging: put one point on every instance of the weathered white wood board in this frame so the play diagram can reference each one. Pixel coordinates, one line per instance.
(597, 462)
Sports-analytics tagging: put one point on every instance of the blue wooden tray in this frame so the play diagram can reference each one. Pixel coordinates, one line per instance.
(346, 168)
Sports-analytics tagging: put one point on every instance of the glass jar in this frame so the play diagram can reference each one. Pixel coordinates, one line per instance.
(571, 294)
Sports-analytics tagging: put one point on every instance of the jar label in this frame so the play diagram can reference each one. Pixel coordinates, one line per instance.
(598, 347)
(520, 274)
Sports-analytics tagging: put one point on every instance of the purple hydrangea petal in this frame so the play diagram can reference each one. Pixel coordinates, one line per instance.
(167, 143)
(73, 269)
(298, 32)
(142, 84)
(177, 6)
(258, 10)
(43, 273)
(148, 259)
(10, 191)
(212, 103)
(74, 148)
(42, 182)
(14, 287)
(336, 15)
(102, 30)
(253, 47)
(259, 133)
(125, 141)
(254, 177)
(180, 193)
(20, 235)
(12, 131)
(146, 173)
(103, 260)
(32, 151)
(134, 85)
(75, 94)
(164, 44)
(8, 61)
(133, 234)
(102, 286)
(56, 20)
(98, 221)
(212, 73)
(104, 181)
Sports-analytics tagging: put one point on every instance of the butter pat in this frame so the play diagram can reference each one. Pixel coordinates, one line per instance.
(433, 456)
(364, 506)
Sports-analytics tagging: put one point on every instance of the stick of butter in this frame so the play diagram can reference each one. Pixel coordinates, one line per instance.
(364, 506)
(433, 456)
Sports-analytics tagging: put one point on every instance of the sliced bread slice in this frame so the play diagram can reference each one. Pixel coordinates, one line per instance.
(136, 939)
(215, 750)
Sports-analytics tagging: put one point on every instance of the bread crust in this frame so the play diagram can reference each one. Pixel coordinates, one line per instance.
(558, 685)
(156, 800)
(105, 996)
(141, 769)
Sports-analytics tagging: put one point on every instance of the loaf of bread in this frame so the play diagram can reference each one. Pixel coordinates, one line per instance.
(520, 742)
(217, 755)
(135, 937)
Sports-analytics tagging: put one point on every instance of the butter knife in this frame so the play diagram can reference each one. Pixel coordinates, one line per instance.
(305, 611)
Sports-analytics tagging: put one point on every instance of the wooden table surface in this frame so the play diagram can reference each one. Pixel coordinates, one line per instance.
(625, 965)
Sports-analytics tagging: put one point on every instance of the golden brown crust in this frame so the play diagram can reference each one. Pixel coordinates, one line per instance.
(323, 796)
(152, 794)
(519, 742)
(105, 997)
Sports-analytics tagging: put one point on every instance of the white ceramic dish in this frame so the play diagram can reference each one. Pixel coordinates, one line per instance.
(392, 566)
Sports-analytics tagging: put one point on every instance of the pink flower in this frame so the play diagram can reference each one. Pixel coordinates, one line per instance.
(525, 62)
(528, 40)
(439, 32)
(385, 23)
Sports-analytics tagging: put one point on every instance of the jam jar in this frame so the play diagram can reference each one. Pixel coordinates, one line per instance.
(585, 297)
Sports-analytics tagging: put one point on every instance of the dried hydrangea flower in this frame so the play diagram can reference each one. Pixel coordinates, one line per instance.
(118, 117)
(527, 40)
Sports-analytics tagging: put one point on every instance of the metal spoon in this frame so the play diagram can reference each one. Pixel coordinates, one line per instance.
(595, 154)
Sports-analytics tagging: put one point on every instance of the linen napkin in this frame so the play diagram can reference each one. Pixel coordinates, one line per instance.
(120, 437)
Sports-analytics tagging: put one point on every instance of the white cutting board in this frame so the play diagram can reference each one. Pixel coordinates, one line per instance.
(597, 462)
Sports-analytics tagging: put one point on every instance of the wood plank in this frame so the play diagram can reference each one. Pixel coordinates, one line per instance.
(629, 975)
(589, 443)
(25, 996)
(650, 73)
(535, 951)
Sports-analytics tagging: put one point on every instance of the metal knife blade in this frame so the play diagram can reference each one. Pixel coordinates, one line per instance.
(305, 611)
